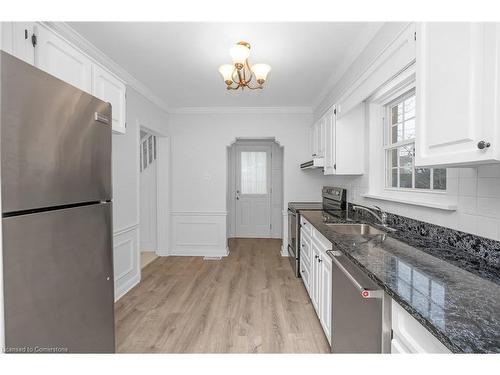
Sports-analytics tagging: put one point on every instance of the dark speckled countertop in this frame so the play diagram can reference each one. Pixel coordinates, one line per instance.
(460, 308)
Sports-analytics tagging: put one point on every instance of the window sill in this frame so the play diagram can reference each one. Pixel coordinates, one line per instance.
(438, 206)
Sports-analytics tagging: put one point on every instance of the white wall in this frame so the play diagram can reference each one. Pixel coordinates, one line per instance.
(140, 111)
(199, 171)
(476, 190)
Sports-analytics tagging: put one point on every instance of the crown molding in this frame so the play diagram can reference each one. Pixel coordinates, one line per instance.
(356, 48)
(72, 36)
(241, 110)
(320, 106)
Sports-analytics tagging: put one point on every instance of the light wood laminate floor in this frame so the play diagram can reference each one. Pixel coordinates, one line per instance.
(248, 302)
(147, 257)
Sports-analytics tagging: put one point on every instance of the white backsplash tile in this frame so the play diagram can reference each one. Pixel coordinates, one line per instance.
(467, 186)
(488, 187)
(489, 170)
(477, 192)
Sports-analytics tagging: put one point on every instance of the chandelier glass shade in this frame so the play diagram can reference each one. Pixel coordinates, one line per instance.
(240, 73)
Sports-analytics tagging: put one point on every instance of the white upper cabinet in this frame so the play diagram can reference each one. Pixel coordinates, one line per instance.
(315, 139)
(457, 91)
(41, 47)
(321, 137)
(110, 89)
(17, 39)
(344, 142)
(59, 58)
(330, 141)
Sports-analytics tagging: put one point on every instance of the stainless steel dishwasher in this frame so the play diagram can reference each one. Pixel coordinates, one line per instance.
(360, 310)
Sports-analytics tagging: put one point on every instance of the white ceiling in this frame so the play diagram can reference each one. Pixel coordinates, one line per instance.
(179, 61)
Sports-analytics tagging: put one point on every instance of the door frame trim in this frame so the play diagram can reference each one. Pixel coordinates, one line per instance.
(163, 176)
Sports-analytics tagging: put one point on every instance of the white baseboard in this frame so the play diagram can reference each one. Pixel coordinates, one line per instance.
(125, 287)
(199, 252)
(284, 250)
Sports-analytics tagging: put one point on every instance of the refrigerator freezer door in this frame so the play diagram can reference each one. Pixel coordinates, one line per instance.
(56, 269)
(55, 150)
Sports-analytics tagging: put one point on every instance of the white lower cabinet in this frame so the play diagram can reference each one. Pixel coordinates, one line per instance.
(325, 314)
(409, 336)
(316, 272)
(315, 278)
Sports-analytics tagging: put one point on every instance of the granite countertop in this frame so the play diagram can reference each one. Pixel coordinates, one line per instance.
(460, 308)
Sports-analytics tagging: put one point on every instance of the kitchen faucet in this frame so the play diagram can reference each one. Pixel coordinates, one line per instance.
(381, 216)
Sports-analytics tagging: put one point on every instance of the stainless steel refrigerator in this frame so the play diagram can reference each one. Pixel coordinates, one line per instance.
(56, 214)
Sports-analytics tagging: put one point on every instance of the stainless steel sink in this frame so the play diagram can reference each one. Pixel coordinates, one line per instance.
(355, 229)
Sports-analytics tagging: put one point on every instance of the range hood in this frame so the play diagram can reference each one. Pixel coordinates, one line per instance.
(314, 163)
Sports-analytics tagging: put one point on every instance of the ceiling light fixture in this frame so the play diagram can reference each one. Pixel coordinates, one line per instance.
(241, 73)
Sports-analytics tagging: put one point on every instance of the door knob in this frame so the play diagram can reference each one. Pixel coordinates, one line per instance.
(482, 145)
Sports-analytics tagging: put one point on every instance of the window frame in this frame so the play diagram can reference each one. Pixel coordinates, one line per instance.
(399, 96)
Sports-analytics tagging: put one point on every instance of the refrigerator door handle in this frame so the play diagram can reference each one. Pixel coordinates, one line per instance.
(101, 118)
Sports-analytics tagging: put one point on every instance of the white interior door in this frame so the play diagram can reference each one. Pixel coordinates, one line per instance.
(148, 226)
(253, 191)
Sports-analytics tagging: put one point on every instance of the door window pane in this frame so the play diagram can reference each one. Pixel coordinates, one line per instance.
(144, 155)
(253, 172)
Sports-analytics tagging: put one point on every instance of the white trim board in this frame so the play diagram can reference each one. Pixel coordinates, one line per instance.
(438, 206)
(72, 36)
(125, 229)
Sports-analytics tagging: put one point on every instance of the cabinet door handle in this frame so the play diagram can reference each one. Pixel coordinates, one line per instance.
(319, 260)
(483, 144)
(316, 257)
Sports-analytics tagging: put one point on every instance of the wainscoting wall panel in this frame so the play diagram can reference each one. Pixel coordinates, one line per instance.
(199, 234)
(126, 260)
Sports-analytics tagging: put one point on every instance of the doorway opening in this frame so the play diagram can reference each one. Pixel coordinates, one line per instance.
(255, 189)
(148, 197)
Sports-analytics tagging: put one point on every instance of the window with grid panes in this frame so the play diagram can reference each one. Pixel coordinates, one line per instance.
(400, 150)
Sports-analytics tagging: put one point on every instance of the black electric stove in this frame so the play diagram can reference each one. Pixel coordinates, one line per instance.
(334, 202)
